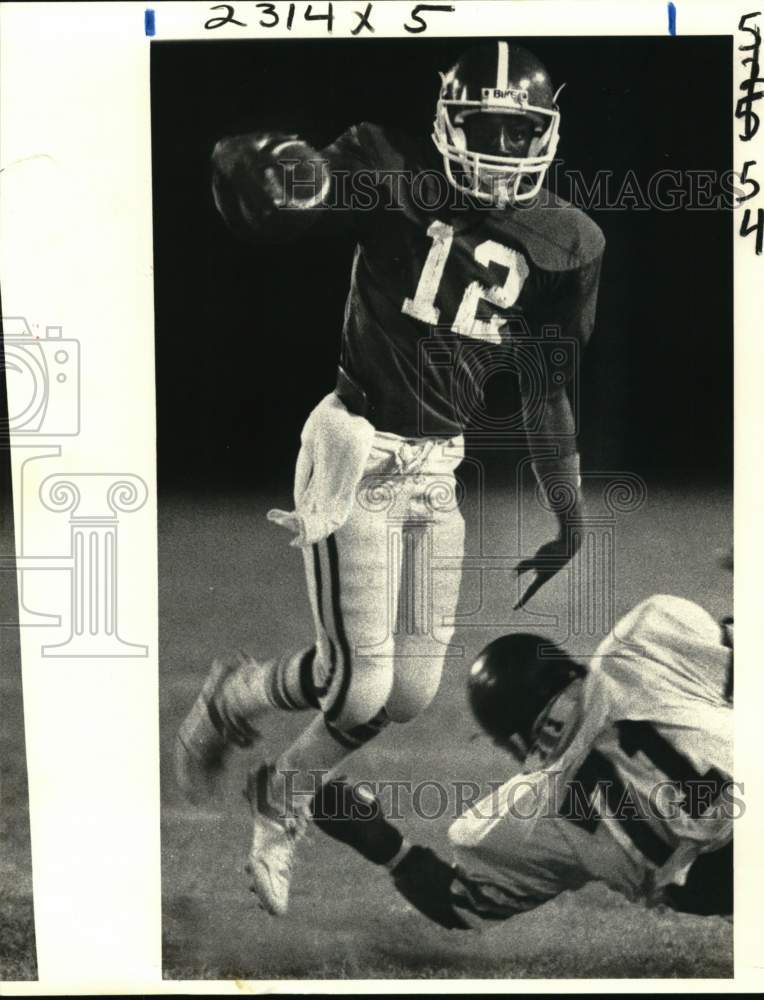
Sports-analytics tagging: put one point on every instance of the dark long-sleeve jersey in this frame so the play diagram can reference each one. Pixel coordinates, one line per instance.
(443, 291)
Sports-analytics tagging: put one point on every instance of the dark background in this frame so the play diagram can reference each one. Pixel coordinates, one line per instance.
(231, 320)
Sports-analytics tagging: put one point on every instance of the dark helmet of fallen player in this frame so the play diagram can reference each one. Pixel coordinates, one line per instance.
(497, 78)
(512, 681)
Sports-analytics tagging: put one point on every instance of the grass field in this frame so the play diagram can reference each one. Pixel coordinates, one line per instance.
(17, 938)
(227, 578)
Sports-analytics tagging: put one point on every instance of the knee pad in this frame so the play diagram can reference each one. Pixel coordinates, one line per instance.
(415, 684)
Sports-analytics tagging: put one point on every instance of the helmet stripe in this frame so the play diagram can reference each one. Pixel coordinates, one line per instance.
(502, 67)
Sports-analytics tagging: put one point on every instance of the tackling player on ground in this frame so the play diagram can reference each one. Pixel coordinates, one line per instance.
(625, 777)
(460, 253)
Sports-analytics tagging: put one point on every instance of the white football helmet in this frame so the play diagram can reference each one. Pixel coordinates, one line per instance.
(499, 79)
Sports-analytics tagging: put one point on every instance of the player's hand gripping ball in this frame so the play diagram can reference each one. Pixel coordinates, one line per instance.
(269, 180)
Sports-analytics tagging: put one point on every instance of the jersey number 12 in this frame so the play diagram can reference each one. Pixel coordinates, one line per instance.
(466, 323)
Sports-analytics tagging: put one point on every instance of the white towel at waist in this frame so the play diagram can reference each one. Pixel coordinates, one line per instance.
(336, 445)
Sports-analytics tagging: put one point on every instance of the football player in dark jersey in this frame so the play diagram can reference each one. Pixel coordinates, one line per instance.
(460, 255)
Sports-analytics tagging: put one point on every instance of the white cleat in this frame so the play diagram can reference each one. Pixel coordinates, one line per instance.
(208, 733)
(274, 841)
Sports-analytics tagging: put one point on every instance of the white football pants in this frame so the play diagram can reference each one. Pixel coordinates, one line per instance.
(382, 604)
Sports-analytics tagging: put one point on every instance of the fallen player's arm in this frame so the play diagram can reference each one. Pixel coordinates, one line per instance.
(451, 896)
(443, 892)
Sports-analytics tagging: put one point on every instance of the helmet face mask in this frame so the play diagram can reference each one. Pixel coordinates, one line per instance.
(515, 745)
(496, 79)
(512, 686)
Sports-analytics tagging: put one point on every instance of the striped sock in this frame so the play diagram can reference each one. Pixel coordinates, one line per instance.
(289, 685)
(285, 683)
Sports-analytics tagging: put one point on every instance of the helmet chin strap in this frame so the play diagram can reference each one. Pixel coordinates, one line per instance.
(506, 191)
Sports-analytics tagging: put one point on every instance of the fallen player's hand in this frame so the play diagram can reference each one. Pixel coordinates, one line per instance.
(425, 881)
(548, 561)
